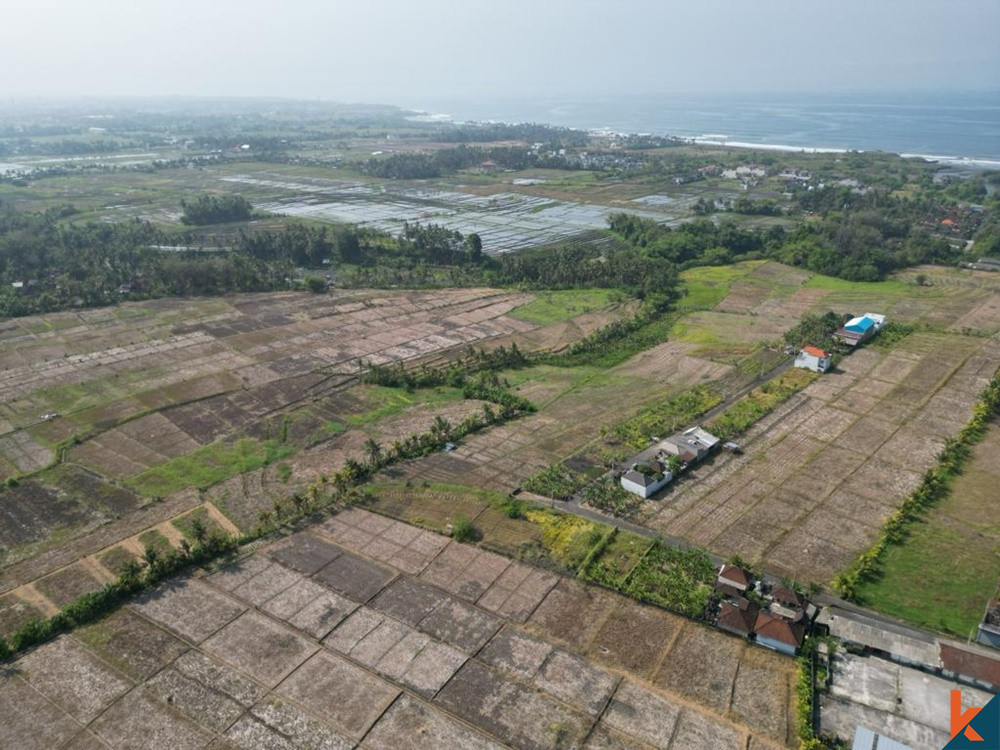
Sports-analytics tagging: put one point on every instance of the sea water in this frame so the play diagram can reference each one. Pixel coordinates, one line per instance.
(950, 124)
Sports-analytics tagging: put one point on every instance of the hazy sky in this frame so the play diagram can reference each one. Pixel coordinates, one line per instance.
(401, 50)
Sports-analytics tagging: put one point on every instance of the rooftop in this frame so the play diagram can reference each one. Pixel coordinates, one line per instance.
(780, 630)
(815, 351)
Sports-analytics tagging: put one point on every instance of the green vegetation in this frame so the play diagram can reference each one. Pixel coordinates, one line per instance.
(463, 530)
(681, 580)
(760, 402)
(197, 525)
(560, 306)
(608, 495)
(117, 560)
(611, 564)
(155, 541)
(896, 573)
(215, 209)
(208, 465)
(567, 539)
(667, 417)
(706, 286)
(556, 481)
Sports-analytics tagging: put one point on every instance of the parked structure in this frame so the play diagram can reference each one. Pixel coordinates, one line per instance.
(813, 358)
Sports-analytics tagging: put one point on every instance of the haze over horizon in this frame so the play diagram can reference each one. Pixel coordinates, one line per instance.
(395, 52)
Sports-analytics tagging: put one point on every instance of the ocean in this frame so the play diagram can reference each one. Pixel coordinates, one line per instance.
(943, 125)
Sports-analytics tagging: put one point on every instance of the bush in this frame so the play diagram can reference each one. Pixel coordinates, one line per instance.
(607, 495)
(463, 530)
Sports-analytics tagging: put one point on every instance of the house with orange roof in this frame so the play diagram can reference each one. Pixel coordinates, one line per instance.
(779, 634)
(813, 358)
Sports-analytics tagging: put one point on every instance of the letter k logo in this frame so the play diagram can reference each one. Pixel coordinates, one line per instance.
(960, 721)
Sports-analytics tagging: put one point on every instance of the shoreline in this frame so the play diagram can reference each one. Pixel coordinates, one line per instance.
(726, 141)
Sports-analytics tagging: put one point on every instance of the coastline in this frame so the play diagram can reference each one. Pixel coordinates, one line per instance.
(929, 125)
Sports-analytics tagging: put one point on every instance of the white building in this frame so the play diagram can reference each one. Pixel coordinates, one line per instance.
(813, 358)
(644, 485)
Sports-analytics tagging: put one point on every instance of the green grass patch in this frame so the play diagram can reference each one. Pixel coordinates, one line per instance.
(759, 403)
(208, 465)
(185, 524)
(681, 580)
(117, 559)
(616, 561)
(563, 305)
(556, 481)
(707, 286)
(385, 402)
(936, 579)
(153, 539)
(667, 416)
(945, 568)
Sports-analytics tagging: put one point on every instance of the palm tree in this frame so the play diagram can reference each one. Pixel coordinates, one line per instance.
(441, 428)
(374, 451)
(151, 557)
(198, 530)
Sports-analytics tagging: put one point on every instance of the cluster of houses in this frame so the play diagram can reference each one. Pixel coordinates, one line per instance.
(853, 333)
(688, 447)
(776, 616)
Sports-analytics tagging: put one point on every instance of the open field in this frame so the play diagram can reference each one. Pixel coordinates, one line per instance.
(240, 401)
(821, 473)
(948, 568)
(368, 632)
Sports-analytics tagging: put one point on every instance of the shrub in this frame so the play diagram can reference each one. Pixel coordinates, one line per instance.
(463, 530)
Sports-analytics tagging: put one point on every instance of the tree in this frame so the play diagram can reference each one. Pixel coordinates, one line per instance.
(199, 531)
(474, 247)
(441, 429)
(374, 451)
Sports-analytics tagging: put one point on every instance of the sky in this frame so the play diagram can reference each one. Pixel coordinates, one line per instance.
(399, 51)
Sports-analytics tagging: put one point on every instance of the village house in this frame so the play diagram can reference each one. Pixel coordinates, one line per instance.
(735, 578)
(645, 484)
(778, 633)
(787, 603)
(691, 445)
(813, 358)
(859, 329)
(738, 616)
